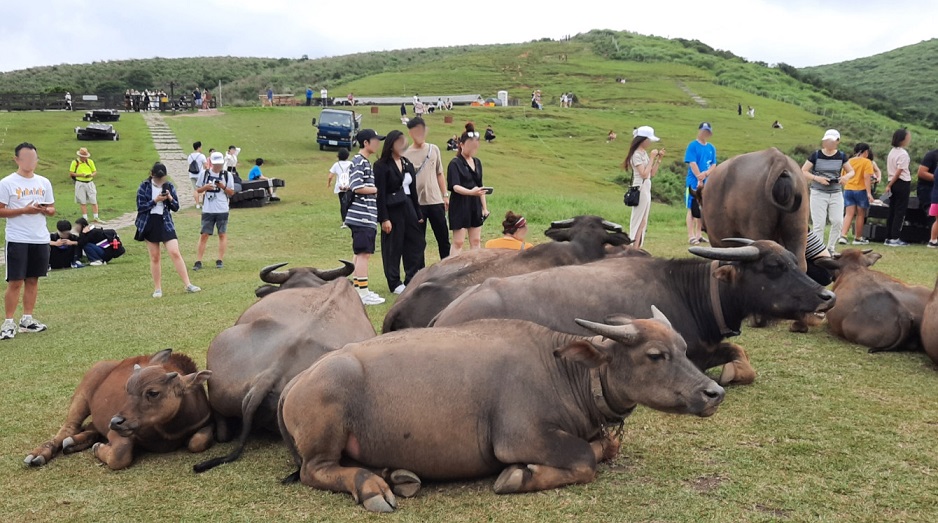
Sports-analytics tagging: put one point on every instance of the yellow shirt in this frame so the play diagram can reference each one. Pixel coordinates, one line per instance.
(82, 170)
(506, 243)
(863, 168)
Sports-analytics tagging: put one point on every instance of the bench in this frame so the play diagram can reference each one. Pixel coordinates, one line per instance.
(280, 100)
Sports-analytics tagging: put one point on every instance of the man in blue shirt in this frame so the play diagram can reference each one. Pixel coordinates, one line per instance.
(701, 159)
(309, 96)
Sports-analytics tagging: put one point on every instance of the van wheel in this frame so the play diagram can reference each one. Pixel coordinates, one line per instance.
(322, 147)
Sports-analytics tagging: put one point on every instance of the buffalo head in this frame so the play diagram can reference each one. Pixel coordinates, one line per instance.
(850, 259)
(592, 231)
(766, 279)
(299, 277)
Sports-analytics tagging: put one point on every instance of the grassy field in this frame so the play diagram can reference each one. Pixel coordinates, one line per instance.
(827, 432)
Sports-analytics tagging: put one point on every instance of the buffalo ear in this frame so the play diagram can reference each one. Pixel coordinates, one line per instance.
(196, 379)
(161, 357)
(726, 273)
(871, 258)
(558, 235)
(617, 239)
(584, 353)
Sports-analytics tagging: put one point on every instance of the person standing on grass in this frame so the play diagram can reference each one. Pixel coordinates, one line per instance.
(217, 186)
(351, 99)
(926, 184)
(156, 201)
(196, 98)
(196, 162)
(858, 193)
(468, 208)
(431, 184)
(644, 167)
(82, 170)
(25, 201)
(827, 169)
(899, 186)
(403, 236)
(270, 96)
(933, 212)
(309, 96)
(341, 171)
(362, 217)
(324, 94)
(701, 159)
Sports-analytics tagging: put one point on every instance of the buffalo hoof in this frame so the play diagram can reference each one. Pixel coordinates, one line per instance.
(405, 483)
(798, 326)
(737, 372)
(758, 322)
(67, 444)
(379, 503)
(512, 479)
(34, 461)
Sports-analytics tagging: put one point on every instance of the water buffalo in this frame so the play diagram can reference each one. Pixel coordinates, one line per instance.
(273, 341)
(864, 295)
(761, 196)
(156, 403)
(298, 277)
(577, 240)
(707, 301)
(930, 326)
(481, 398)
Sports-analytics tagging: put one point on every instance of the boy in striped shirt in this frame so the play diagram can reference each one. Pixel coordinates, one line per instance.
(362, 217)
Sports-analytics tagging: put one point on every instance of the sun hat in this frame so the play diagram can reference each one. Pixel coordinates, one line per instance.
(83, 153)
(646, 132)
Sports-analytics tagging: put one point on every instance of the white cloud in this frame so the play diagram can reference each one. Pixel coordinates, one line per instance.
(799, 32)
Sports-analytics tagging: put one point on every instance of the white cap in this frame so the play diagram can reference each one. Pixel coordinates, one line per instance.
(217, 158)
(832, 135)
(646, 132)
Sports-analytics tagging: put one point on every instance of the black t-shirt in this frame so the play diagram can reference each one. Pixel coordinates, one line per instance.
(926, 189)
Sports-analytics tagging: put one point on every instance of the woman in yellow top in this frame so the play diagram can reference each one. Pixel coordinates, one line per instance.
(858, 192)
(515, 229)
(83, 171)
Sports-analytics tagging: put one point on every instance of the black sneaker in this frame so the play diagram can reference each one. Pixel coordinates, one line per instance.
(219, 264)
(933, 245)
(197, 266)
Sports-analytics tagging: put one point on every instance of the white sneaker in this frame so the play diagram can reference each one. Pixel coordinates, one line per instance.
(158, 293)
(399, 289)
(31, 325)
(98, 263)
(192, 288)
(372, 299)
(8, 331)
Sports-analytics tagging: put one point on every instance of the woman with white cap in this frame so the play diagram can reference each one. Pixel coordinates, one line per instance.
(644, 167)
(828, 169)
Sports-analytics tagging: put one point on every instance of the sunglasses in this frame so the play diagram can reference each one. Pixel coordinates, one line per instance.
(473, 135)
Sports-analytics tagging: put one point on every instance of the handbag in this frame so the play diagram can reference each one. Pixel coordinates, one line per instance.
(633, 196)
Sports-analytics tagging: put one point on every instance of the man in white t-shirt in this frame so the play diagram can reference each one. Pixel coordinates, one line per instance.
(324, 93)
(25, 201)
(217, 186)
(196, 164)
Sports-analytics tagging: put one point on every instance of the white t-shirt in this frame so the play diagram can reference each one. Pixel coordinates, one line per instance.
(17, 192)
(341, 170)
(199, 158)
(215, 202)
(324, 93)
(407, 181)
(231, 160)
(158, 208)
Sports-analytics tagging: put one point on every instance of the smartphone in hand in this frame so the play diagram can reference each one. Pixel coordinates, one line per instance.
(488, 190)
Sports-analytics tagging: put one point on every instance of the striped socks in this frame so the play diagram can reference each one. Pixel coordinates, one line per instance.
(361, 285)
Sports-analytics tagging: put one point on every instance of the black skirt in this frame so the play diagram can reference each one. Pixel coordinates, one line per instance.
(155, 231)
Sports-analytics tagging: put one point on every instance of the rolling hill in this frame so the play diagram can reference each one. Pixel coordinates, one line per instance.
(898, 82)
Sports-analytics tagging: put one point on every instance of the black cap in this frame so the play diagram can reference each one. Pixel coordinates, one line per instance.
(158, 170)
(367, 134)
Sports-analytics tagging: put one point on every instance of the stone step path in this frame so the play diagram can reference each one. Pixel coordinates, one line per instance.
(699, 100)
(172, 156)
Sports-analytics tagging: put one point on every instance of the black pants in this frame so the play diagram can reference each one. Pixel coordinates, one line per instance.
(309, 102)
(406, 241)
(435, 215)
(345, 201)
(898, 204)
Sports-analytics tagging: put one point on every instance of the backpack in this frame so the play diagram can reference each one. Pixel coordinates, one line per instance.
(194, 167)
(114, 247)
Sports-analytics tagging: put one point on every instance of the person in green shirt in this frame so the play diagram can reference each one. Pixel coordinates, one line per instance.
(82, 170)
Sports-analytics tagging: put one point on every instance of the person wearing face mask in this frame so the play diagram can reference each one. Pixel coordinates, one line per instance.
(467, 207)
(399, 213)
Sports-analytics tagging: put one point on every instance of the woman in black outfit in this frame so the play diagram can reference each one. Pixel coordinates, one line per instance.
(467, 206)
(398, 213)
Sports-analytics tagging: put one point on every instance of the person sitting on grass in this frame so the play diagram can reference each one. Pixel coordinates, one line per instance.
(63, 247)
(514, 231)
(89, 238)
(489, 134)
(611, 136)
(256, 175)
(453, 143)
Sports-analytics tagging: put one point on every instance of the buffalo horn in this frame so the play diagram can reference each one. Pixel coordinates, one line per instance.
(731, 254)
(744, 241)
(346, 269)
(562, 224)
(269, 276)
(610, 226)
(658, 315)
(171, 375)
(627, 333)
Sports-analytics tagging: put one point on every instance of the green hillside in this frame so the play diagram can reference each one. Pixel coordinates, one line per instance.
(900, 82)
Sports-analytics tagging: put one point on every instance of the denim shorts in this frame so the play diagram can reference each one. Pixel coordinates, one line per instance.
(856, 199)
(212, 220)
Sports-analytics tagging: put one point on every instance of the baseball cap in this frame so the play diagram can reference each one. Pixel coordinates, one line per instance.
(705, 126)
(367, 134)
(831, 134)
(646, 132)
(217, 158)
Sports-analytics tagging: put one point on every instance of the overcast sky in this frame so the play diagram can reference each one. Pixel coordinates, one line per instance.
(799, 32)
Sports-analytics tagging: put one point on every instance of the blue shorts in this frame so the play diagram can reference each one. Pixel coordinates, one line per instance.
(856, 199)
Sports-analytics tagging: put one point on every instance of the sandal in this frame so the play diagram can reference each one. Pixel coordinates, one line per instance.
(701, 239)
(693, 241)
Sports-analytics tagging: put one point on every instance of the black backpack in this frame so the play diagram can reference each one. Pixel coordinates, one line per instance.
(194, 167)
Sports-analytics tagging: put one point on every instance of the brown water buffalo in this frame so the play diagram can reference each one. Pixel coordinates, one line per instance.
(477, 399)
(760, 196)
(298, 277)
(156, 403)
(578, 240)
(930, 326)
(873, 309)
(273, 341)
(706, 301)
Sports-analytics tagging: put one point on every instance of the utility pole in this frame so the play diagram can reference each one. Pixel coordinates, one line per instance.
(172, 96)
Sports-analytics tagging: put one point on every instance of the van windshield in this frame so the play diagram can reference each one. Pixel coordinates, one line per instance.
(336, 119)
